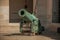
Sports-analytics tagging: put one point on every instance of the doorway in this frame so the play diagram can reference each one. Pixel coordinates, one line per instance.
(15, 6)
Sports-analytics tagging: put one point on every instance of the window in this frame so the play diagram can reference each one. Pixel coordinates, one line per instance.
(56, 11)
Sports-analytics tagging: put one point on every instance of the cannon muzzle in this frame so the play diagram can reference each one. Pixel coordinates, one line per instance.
(22, 12)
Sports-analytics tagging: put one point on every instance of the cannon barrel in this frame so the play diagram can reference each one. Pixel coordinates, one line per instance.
(26, 15)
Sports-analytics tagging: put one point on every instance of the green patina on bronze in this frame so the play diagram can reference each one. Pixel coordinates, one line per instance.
(26, 16)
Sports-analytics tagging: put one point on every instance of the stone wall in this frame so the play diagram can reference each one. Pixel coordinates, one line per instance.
(44, 13)
(5, 26)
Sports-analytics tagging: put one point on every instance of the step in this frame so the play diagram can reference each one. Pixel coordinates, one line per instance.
(26, 27)
(26, 31)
